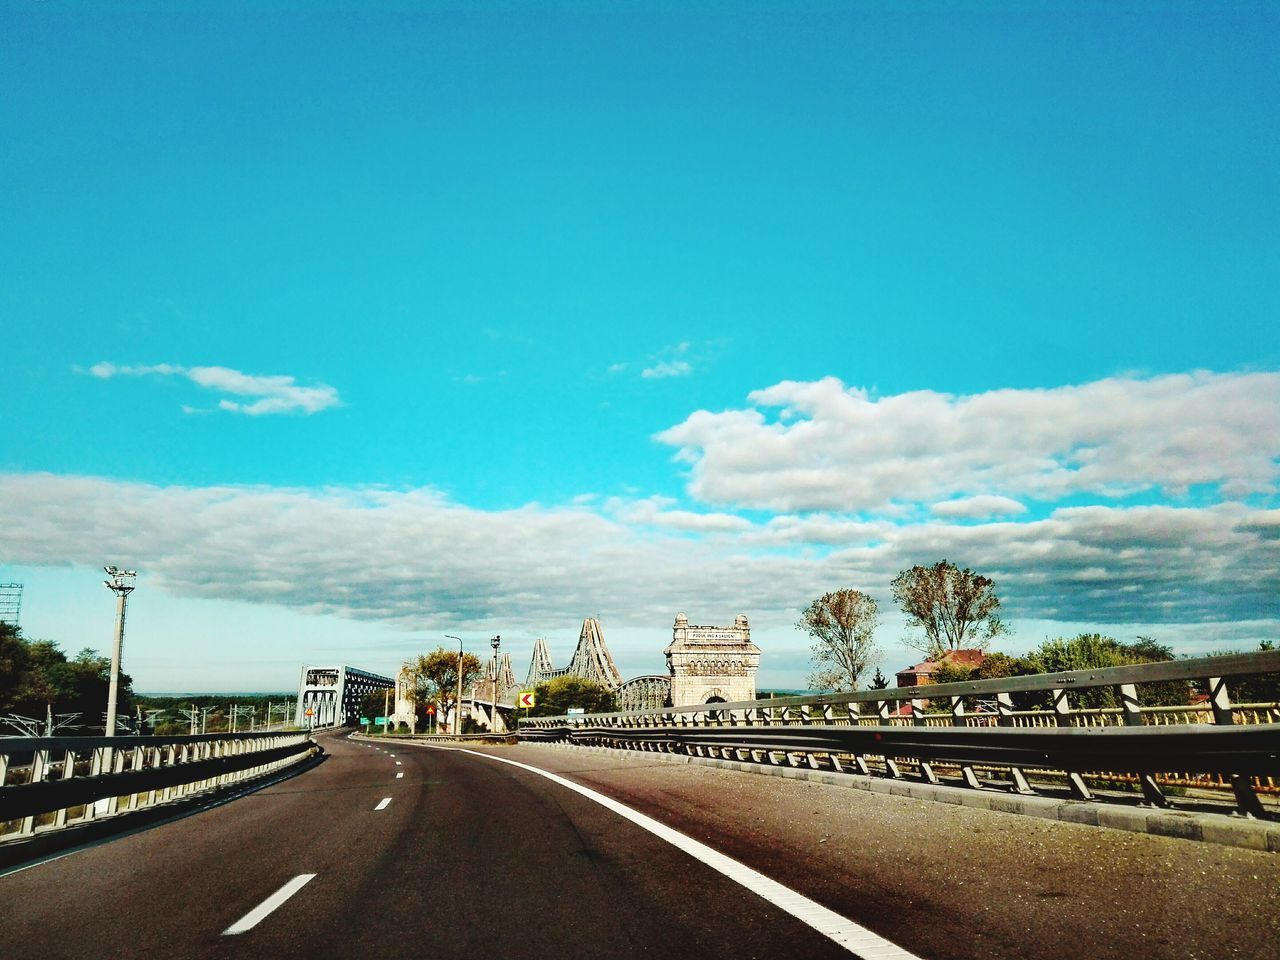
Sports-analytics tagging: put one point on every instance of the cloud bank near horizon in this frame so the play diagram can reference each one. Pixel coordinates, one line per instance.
(414, 559)
(848, 490)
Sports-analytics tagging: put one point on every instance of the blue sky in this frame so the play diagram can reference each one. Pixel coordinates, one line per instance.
(496, 316)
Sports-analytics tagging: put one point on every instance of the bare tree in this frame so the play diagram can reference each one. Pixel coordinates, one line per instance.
(956, 609)
(841, 624)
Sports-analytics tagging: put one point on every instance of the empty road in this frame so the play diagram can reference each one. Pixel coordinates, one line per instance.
(402, 851)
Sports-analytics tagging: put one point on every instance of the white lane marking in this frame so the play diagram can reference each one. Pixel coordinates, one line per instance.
(260, 912)
(383, 803)
(390, 754)
(853, 937)
(399, 763)
(400, 774)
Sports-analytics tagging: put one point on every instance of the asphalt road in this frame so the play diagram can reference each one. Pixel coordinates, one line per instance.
(476, 858)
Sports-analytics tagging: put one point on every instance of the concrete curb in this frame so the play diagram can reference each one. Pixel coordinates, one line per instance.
(1224, 829)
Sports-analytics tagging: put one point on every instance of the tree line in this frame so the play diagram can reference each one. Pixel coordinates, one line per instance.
(949, 608)
(41, 687)
(434, 681)
(37, 679)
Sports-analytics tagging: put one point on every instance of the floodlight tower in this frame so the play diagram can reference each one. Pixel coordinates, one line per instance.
(121, 584)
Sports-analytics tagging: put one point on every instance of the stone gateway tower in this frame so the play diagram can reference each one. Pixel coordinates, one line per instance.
(712, 664)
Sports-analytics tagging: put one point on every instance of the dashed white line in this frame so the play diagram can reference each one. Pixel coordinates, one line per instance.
(400, 774)
(261, 911)
(853, 937)
(399, 763)
(383, 804)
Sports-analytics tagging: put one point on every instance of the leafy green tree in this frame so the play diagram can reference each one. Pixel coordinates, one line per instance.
(435, 677)
(956, 609)
(998, 665)
(372, 703)
(879, 681)
(947, 672)
(841, 625)
(35, 676)
(1092, 651)
(556, 696)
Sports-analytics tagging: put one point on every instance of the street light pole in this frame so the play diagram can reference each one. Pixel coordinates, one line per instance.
(121, 584)
(493, 718)
(457, 706)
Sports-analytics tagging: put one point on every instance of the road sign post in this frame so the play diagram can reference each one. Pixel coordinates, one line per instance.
(527, 699)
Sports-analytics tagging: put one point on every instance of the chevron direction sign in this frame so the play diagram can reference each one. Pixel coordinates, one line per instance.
(526, 698)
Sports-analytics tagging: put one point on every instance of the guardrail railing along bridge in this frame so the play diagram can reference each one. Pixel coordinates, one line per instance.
(47, 783)
(982, 739)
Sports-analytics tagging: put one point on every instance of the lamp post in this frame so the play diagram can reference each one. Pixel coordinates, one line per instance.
(493, 717)
(457, 706)
(121, 584)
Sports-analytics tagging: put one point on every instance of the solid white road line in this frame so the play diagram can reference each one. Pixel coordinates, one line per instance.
(853, 937)
(260, 912)
(383, 803)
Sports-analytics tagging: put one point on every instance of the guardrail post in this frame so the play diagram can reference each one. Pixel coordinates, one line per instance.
(39, 767)
(1061, 707)
(117, 766)
(1247, 802)
(1131, 708)
(1005, 718)
(1062, 717)
(68, 771)
(957, 720)
(136, 761)
(1220, 700)
(1004, 709)
(917, 720)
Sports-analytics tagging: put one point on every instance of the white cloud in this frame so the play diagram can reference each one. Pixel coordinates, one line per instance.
(837, 448)
(269, 394)
(977, 508)
(655, 511)
(415, 559)
(667, 368)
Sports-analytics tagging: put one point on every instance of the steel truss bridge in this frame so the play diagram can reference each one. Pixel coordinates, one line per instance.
(592, 661)
(330, 696)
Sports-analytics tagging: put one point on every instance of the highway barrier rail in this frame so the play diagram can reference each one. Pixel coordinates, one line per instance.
(1083, 730)
(47, 783)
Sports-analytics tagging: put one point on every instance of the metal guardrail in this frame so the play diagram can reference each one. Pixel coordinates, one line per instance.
(47, 783)
(1214, 745)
